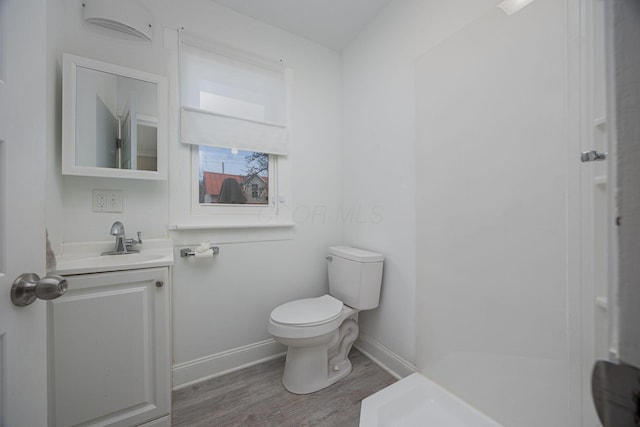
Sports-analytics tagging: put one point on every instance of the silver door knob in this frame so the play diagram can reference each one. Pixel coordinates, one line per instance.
(29, 286)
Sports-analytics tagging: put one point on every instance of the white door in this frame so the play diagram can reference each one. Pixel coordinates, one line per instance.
(129, 132)
(23, 350)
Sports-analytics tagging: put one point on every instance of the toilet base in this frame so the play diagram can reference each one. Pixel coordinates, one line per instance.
(308, 374)
(312, 368)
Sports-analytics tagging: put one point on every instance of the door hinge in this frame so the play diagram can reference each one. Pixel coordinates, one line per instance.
(590, 156)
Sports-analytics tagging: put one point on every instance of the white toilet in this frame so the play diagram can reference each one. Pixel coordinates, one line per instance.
(320, 331)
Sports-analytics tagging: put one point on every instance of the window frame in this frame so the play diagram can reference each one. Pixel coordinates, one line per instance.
(269, 209)
(276, 216)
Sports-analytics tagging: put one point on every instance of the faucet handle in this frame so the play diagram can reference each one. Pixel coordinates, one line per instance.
(131, 242)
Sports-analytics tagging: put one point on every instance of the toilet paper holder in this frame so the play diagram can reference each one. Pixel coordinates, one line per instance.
(192, 252)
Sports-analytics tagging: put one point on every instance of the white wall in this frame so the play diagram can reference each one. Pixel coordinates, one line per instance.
(379, 147)
(222, 304)
(485, 206)
(495, 251)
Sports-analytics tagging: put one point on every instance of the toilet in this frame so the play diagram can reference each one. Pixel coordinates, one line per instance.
(319, 331)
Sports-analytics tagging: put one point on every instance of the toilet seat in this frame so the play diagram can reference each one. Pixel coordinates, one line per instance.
(308, 318)
(308, 311)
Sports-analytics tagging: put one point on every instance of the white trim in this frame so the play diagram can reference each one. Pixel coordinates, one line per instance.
(215, 365)
(385, 358)
(208, 367)
(176, 227)
(612, 193)
(261, 213)
(576, 249)
(147, 120)
(159, 422)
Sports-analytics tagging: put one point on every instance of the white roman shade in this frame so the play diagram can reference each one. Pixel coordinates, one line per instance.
(202, 127)
(231, 100)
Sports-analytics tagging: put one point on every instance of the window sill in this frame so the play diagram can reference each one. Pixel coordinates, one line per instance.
(231, 232)
(178, 227)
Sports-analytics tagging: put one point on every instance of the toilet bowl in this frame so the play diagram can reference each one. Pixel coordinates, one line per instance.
(319, 332)
(315, 331)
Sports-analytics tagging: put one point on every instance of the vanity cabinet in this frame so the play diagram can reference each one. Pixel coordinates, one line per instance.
(109, 349)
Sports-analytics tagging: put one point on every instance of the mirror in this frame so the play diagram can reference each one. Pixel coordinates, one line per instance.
(114, 121)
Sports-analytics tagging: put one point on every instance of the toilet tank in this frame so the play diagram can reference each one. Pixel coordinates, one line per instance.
(355, 276)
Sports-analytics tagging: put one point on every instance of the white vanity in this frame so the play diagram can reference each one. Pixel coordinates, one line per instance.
(109, 337)
(109, 350)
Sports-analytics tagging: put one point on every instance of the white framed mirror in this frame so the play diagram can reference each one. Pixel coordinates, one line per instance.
(114, 120)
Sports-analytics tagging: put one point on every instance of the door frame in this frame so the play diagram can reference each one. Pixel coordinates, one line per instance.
(582, 80)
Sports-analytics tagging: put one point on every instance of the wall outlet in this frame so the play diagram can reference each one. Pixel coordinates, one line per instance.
(107, 201)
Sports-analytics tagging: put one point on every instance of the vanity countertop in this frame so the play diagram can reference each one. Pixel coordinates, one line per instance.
(84, 257)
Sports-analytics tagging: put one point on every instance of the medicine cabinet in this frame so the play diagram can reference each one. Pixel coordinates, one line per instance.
(114, 120)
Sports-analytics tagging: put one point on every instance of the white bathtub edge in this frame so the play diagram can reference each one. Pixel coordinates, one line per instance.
(370, 407)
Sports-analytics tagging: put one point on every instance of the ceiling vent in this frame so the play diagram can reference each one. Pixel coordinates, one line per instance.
(125, 16)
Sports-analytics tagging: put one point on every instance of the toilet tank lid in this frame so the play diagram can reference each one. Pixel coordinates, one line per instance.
(355, 254)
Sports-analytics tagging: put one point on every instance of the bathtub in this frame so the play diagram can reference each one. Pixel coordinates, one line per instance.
(417, 401)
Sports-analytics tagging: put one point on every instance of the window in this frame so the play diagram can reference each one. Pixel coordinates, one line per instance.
(228, 177)
(233, 114)
(231, 176)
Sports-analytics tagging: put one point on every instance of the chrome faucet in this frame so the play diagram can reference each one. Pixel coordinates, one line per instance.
(123, 245)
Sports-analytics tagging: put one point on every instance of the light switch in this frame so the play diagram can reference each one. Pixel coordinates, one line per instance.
(114, 201)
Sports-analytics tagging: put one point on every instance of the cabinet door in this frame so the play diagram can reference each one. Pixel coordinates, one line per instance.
(109, 349)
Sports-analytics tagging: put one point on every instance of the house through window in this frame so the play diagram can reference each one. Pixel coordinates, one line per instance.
(233, 177)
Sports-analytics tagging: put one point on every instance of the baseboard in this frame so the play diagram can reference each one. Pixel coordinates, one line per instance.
(215, 365)
(388, 360)
(194, 371)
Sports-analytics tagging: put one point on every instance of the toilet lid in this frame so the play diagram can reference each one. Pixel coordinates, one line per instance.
(308, 311)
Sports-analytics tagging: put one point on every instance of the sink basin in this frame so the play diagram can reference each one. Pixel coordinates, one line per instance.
(79, 264)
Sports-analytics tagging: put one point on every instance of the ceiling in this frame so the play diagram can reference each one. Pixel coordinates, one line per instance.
(332, 23)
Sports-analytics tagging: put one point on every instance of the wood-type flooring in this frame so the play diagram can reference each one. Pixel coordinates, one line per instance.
(255, 396)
